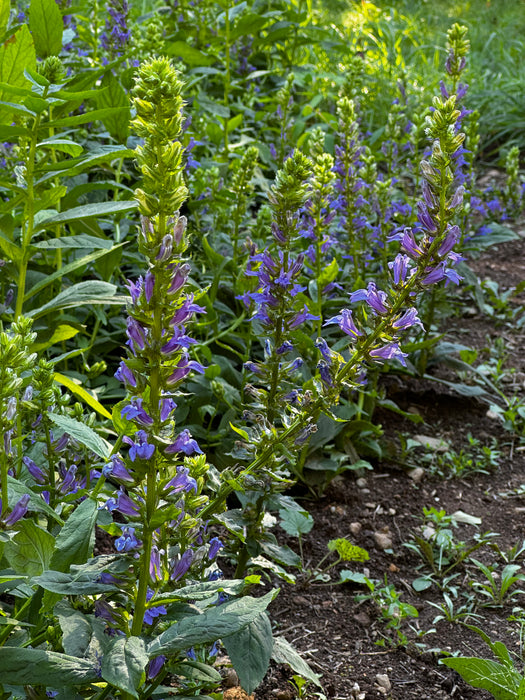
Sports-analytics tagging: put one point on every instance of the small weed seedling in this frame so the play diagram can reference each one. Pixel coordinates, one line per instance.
(392, 609)
(451, 613)
(496, 588)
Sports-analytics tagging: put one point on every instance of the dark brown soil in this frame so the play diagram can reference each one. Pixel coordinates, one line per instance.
(341, 638)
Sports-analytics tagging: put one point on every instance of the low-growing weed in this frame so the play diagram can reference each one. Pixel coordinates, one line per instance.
(496, 589)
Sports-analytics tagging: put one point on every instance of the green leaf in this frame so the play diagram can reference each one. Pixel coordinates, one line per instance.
(60, 333)
(202, 591)
(521, 690)
(22, 666)
(328, 275)
(213, 624)
(45, 22)
(81, 294)
(250, 650)
(188, 54)
(124, 663)
(81, 393)
(16, 54)
(68, 584)
(77, 628)
(10, 249)
(114, 95)
(498, 679)
(66, 269)
(348, 551)
(296, 522)
(74, 543)
(83, 434)
(284, 653)
(5, 6)
(16, 489)
(88, 210)
(63, 145)
(29, 551)
(94, 116)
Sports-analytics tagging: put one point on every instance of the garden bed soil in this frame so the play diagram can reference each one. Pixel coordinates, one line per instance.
(338, 636)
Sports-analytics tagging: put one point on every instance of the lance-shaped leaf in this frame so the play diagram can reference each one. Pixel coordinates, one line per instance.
(68, 584)
(213, 624)
(74, 543)
(83, 434)
(45, 22)
(21, 666)
(500, 680)
(81, 294)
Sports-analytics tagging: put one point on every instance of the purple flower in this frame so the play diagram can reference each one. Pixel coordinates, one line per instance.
(116, 469)
(127, 541)
(390, 351)
(149, 285)
(182, 481)
(155, 569)
(399, 268)
(140, 449)
(35, 471)
(125, 375)
(410, 246)
(301, 317)
(18, 511)
(345, 322)
(134, 411)
(215, 546)
(408, 319)
(184, 443)
(166, 408)
(374, 298)
(155, 666)
(181, 566)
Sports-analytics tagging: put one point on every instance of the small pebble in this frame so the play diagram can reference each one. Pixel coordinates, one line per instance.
(383, 681)
(361, 483)
(355, 528)
(417, 474)
(383, 540)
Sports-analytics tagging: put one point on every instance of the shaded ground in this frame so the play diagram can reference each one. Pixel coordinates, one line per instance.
(339, 636)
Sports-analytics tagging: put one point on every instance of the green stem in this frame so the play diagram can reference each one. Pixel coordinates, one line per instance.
(28, 228)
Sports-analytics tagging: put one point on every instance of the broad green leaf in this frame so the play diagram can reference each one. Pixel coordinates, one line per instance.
(82, 394)
(63, 145)
(60, 333)
(114, 95)
(68, 584)
(74, 543)
(16, 489)
(124, 663)
(250, 650)
(498, 679)
(284, 653)
(65, 270)
(81, 294)
(521, 690)
(77, 628)
(45, 22)
(16, 54)
(295, 522)
(29, 552)
(188, 54)
(280, 553)
(213, 624)
(88, 210)
(5, 6)
(82, 433)
(22, 666)
(9, 249)
(264, 563)
(202, 591)
(328, 275)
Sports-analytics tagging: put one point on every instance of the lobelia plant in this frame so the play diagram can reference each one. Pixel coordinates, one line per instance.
(115, 625)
